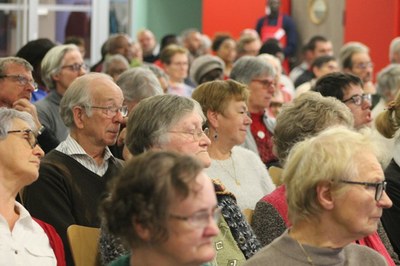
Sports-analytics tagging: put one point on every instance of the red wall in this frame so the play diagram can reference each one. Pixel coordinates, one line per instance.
(375, 24)
(232, 16)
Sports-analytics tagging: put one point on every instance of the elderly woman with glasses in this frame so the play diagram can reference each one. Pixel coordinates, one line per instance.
(174, 123)
(60, 66)
(306, 116)
(335, 193)
(24, 240)
(239, 169)
(164, 207)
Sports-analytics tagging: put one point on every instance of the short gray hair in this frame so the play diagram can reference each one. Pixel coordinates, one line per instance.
(139, 83)
(306, 116)
(78, 94)
(331, 156)
(114, 58)
(389, 80)
(52, 62)
(5, 61)
(394, 48)
(7, 116)
(248, 67)
(151, 119)
(347, 51)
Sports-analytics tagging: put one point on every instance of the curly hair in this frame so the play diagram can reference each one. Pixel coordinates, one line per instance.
(143, 193)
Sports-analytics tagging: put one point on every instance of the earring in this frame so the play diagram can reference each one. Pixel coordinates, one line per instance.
(216, 135)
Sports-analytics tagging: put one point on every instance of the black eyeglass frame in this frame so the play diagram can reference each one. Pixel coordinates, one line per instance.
(363, 98)
(380, 187)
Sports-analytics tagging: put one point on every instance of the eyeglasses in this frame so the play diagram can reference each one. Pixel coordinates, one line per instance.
(265, 82)
(197, 134)
(112, 111)
(76, 67)
(379, 187)
(21, 80)
(32, 140)
(364, 65)
(359, 99)
(200, 219)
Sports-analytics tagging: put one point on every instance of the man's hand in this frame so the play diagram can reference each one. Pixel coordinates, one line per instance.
(27, 106)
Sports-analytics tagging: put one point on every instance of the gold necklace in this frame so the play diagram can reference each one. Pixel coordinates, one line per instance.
(234, 176)
(305, 253)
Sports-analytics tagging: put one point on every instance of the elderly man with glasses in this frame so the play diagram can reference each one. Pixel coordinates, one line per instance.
(61, 65)
(16, 87)
(348, 89)
(74, 176)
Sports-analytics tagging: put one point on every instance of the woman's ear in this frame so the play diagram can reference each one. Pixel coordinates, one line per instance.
(212, 118)
(325, 195)
(142, 231)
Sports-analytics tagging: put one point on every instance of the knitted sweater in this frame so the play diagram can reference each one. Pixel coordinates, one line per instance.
(245, 167)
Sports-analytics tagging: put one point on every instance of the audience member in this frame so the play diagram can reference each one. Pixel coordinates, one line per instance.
(330, 205)
(387, 123)
(24, 240)
(306, 116)
(175, 61)
(206, 68)
(282, 94)
(354, 59)
(33, 52)
(321, 66)
(73, 177)
(17, 85)
(160, 74)
(174, 123)
(240, 170)
(115, 65)
(272, 47)
(78, 41)
(136, 84)
(224, 46)
(161, 205)
(191, 40)
(121, 44)
(98, 67)
(248, 45)
(61, 65)
(348, 89)
(137, 54)
(280, 27)
(388, 86)
(149, 45)
(259, 76)
(317, 46)
(394, 51)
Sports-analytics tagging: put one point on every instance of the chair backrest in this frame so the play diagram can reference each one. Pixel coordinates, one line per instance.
(248, 213)
(84, 241)
(275, 172)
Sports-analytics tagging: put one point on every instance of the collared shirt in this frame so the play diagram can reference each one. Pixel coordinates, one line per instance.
(72, 148)
(27, 244)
